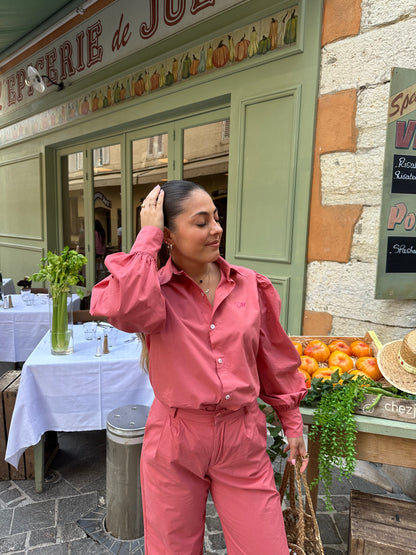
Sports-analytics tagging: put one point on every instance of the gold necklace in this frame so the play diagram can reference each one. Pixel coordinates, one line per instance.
(206, 291)
(209, 279)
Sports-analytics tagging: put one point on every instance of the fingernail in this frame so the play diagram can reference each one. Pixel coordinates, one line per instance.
(293, 461)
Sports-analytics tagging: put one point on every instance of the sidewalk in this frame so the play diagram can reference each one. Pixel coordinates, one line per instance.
(52, 523)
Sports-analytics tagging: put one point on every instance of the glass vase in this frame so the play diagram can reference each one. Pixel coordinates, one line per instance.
(61, 322)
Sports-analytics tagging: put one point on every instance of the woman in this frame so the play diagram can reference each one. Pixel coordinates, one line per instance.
(215, 344)
(99, 239)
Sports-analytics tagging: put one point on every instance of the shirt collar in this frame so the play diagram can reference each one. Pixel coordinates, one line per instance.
(169, 270)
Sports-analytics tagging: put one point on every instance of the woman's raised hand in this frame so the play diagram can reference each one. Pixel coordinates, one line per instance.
(152, 208)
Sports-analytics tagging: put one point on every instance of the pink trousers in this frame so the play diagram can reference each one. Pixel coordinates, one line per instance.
(188, 453)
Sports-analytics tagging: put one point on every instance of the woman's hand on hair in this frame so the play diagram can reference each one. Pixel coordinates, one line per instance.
(151, 212)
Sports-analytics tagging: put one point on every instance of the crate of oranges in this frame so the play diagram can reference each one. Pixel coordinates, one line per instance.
(321, 356)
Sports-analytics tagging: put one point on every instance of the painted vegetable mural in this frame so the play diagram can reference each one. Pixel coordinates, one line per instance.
(253, 47)
(271, 34)
(291, 28)
(221, 55)
(241, 51)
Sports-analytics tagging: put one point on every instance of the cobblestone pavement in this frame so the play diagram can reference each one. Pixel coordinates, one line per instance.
(53, 523)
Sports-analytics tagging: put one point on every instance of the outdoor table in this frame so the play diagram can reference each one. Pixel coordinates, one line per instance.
(22, 327)
(74, 392)
(378, 440)
(8, 287)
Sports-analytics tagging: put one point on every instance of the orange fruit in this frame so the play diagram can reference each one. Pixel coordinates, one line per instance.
(318, 350)
(298, 346)
(360, 348)
(309, 364)
(334, 368)
(341, 359)
(324, 373)
(356, 373)
(339, 345)
(306, 376)
(369, 366)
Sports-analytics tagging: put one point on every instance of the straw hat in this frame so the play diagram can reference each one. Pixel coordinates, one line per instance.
(397, 362)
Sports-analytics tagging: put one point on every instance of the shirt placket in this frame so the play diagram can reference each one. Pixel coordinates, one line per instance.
(223, 291)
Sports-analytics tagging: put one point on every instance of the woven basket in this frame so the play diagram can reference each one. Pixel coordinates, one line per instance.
(301, 527)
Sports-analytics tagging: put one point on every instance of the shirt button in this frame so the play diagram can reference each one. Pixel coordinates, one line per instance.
(220, 360)
(227, 397)
(212, 326)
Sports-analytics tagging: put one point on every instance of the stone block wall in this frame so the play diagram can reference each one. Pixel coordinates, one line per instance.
(362, 40)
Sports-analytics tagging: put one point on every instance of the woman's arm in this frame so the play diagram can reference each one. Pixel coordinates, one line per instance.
(130, 297)
(281, 385)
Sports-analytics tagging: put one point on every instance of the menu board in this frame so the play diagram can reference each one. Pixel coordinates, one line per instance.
(396, 268)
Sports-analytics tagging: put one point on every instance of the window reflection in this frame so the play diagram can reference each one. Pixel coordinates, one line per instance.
(73, 201)
(205, 162)
(107, 205)
(150, 167)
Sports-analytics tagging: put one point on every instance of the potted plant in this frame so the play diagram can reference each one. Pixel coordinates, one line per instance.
(61, 272)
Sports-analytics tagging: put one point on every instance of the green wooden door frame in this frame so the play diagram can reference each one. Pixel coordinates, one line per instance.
(87, 149)
(271, 158)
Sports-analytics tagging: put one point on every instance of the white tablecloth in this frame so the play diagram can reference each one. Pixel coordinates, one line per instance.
(22, 327)
(75, 392)
(8, 287)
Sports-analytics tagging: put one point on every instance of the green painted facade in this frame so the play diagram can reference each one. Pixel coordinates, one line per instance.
(270, 101)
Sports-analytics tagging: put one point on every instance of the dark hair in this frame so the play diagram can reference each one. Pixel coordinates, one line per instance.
(99, 229)
(176, 193)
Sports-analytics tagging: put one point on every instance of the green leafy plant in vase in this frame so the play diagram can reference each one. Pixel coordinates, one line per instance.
(61, 272)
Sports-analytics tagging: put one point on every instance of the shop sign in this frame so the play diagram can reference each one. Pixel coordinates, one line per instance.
(122, 28)
(396, 273)
(275, 35)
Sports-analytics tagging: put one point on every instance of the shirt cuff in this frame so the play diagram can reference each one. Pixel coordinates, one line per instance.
(149, 240)
(292, 422)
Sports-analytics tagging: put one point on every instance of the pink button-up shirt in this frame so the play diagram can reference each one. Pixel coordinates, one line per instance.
(201, 355)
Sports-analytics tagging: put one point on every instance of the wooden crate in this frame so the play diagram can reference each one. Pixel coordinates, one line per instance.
(403, 410)
(9, 384)
(370, 337)
(381, 525)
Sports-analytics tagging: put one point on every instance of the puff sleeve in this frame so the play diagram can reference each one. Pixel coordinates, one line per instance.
(281, 385)
(130, 297)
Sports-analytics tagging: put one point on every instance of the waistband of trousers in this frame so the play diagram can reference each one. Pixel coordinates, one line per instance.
(206, 411)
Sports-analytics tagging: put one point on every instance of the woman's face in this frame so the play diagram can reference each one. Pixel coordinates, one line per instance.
(197, 233)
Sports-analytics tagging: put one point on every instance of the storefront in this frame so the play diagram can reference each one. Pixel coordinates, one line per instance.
(222, 93)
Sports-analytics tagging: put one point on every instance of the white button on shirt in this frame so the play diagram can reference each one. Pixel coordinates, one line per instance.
(227, 397)
(212, 326)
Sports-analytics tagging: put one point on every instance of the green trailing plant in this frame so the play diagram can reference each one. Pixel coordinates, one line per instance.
(334, 424)
(61, 272)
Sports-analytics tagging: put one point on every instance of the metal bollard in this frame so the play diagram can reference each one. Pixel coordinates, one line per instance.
(125, 431)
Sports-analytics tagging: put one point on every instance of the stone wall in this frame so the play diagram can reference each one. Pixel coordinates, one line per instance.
(362, 40)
